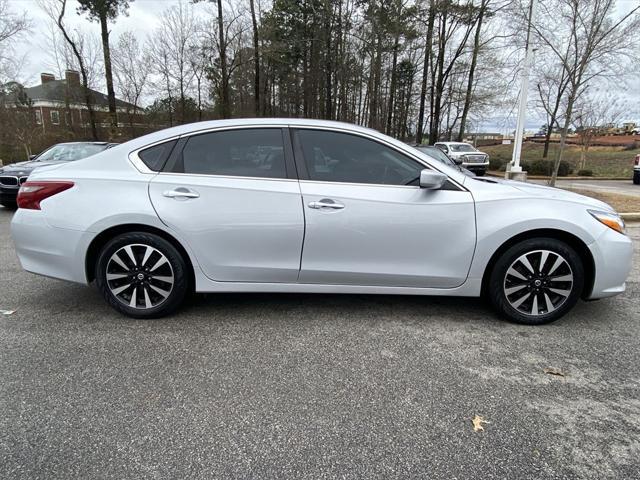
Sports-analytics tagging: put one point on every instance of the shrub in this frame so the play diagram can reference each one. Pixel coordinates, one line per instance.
(545, 167)
(631, 146)
(495, 164)
(585, 173)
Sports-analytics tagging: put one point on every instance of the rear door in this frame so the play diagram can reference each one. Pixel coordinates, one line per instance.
(369, 223)
(234, 196)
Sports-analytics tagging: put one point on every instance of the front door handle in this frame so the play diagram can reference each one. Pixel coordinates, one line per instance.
(181, 192)
(326, 203)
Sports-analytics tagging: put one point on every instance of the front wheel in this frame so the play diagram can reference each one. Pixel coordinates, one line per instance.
(9, 205)
(536, 281)
(636, 178)
(142, 275)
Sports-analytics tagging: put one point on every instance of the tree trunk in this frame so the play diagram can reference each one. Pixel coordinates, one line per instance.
(256, 61)
(563, 139)
(225, 103)
(425, 70)
(472, 69)
(434, 130)
(392, 87)
(111, 94)
(83, 71)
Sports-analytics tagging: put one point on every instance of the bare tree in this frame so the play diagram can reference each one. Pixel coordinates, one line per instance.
(132, 68)
(12, 27)
(589, 43)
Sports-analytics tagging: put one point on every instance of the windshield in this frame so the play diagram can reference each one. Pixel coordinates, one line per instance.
(68, 152)
(463, 147)
(437, 154)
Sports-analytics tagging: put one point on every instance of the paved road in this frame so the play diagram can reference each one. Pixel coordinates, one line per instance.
(302, 386)
(625, 187)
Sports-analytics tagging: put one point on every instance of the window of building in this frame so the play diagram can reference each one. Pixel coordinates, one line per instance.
(55, 117)
(38, 117)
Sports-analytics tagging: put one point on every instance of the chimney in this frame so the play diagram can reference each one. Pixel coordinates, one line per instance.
(46, 77)
(72, 77)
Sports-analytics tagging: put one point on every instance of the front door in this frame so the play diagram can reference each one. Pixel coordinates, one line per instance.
(369, 223)
(229, 194)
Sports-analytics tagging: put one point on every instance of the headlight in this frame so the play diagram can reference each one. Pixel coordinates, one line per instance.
(610, 219)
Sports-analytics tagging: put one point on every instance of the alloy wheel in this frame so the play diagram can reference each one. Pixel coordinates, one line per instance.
(139, 276)
(538, 282)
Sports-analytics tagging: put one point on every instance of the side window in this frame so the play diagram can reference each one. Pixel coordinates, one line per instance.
(442, 147)
(342, 157)
(257, 152)
(154, 157)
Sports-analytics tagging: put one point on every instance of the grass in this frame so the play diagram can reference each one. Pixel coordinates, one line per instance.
(622, 203)
(603, 161)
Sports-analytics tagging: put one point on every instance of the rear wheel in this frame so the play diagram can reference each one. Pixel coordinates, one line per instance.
(636, 177)
(142, 275)
(536, 281)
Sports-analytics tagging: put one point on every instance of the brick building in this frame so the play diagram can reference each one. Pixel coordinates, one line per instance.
(59, 108)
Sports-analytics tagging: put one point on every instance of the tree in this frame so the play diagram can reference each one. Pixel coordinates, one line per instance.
(589, 43)
(12, 27)
(256, 59)
(132, 68)
(104, 11)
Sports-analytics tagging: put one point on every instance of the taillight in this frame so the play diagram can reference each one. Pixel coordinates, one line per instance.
(32, 193)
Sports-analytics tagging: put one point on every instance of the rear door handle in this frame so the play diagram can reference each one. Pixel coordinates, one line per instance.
(326, 203)
(181, 192)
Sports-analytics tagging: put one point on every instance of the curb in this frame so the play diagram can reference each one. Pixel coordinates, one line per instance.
(541, 177)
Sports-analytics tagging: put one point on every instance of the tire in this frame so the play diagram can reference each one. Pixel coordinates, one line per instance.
(550, 291)
(636, 178)
(159, 277)
(9, 205)
(480, 173)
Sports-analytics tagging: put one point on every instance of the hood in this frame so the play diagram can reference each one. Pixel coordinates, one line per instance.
(556, 193)
(25, 167)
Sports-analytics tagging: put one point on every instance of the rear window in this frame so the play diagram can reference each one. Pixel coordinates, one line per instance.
(154, 157)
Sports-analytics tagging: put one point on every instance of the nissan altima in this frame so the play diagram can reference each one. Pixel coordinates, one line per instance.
(283, 205)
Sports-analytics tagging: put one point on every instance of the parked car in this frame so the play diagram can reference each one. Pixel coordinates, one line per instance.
(471, 158)
(440, 156)
(636, 170)
(288, 205)
(15, 174)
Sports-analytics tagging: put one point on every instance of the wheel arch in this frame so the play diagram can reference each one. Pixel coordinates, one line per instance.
(103, 237)
(573, 241)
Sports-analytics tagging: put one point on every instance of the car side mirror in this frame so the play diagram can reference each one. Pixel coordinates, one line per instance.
(432, 180)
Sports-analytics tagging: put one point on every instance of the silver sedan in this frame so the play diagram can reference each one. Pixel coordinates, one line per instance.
(282, 205)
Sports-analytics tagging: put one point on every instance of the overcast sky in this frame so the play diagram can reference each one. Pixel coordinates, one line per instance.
(144, 17)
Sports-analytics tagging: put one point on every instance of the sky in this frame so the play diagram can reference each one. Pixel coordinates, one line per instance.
(144, 17)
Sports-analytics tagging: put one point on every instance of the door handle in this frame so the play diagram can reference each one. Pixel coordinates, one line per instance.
(181, 192)
(326, 203)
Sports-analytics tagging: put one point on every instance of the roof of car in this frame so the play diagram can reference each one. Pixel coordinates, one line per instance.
(453, 143)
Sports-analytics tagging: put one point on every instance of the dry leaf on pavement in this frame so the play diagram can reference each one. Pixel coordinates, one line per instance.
(554, 371)
(7, 312)
(477, 423)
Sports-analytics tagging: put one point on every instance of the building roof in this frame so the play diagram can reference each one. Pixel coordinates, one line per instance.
(57, 91)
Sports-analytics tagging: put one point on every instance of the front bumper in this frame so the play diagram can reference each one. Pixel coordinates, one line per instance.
(8, 194)
(476, 166)
(612, 254)
(46, 250)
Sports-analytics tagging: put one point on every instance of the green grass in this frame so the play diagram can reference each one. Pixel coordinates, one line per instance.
(603, 161)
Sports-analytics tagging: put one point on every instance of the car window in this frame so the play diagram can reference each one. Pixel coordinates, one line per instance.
(68, 152)
(154, 157)
(437, 154)
(257, 152)
(462, 148)
(342, 157)
(442, 147)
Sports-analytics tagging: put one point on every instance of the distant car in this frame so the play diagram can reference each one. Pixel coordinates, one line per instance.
(636, 171)
(472, 158)
(15, 174)
(439, 155)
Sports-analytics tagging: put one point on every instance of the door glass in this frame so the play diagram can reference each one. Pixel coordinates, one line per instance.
(341, 157)
(257, 152)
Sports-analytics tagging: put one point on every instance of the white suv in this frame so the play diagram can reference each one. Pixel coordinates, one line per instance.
(466, 155)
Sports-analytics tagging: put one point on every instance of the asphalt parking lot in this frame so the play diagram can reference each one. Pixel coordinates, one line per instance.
(312, 386)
